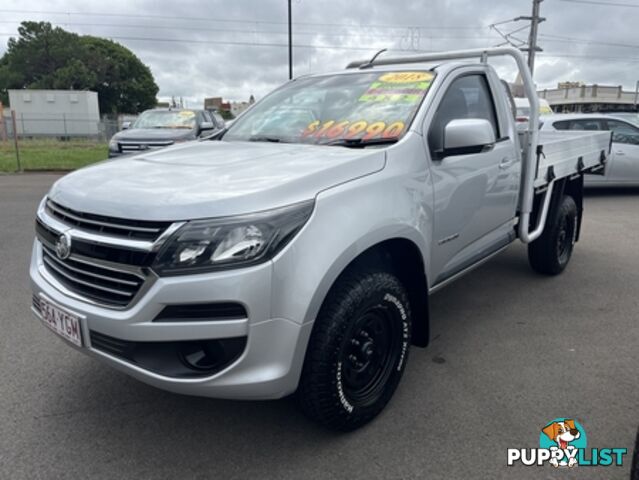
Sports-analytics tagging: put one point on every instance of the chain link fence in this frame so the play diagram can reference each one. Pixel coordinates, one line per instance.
(52, 142)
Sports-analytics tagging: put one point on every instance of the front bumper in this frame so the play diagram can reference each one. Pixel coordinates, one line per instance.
(113, 154)
(269, 367)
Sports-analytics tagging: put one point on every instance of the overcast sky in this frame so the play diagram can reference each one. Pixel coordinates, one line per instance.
(237, 48)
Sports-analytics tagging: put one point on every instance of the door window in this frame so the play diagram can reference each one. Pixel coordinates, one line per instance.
(582, 124)
(623, 132)
(467, 97)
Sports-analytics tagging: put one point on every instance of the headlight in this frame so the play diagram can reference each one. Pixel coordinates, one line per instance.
(113, 145)
(230, 242)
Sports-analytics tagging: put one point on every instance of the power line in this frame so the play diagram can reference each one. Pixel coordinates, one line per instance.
(559, 38)
(608, 4)
(231, 43)
(245, 31)
(599, 57)
(226, 20)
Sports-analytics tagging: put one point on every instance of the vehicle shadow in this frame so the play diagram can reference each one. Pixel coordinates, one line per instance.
(151, 430)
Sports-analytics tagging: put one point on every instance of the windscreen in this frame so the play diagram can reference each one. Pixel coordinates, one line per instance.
(166, 119)
(328, 109)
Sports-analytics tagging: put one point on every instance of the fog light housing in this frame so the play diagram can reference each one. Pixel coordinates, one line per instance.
(203, 356)
(178, 359)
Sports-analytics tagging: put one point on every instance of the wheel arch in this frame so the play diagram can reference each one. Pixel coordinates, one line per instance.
(402, 257)
(573, 187)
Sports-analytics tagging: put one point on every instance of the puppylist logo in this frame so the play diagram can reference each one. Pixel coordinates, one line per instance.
(563, 444)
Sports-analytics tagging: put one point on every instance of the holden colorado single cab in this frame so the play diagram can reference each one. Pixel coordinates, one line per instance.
(295, 251)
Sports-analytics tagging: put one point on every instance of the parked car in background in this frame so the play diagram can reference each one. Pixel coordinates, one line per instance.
(623, 168)
(217, 118)
(159, 128)
(523, 109)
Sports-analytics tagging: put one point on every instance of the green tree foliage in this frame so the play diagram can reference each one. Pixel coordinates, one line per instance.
(51, 58)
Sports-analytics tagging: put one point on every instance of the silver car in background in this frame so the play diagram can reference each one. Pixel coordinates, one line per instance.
(623, 168)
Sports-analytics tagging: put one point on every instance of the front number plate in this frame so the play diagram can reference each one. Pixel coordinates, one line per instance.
(61, 321)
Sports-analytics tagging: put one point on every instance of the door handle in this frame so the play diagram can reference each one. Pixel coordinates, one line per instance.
(505, 163)
(620, 153)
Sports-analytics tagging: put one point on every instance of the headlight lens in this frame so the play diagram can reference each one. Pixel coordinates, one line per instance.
(230, 242)
(113, 145)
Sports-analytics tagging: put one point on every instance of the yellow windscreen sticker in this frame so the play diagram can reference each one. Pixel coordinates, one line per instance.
(406, 77)
(406, 87)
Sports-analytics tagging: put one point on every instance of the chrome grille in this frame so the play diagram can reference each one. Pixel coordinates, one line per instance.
(118, 227)
(126, 147)
(105, 284)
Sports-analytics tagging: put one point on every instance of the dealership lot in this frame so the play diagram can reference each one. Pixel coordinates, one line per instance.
(510, 352)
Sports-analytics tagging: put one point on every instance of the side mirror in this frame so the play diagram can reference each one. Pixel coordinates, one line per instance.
(207, 126)
(464, 136)
(126, 125)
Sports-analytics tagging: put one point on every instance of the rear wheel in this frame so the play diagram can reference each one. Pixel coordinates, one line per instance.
(357, 352)
(551, 252)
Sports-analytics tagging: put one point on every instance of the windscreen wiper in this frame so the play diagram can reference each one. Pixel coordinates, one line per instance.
(360, 142)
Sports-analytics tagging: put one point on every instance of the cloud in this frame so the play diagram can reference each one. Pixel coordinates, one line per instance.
(197, 49)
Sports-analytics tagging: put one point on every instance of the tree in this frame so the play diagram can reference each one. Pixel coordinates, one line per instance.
(49, 57)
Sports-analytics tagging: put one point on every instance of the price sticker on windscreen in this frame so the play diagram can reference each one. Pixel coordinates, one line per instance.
(405, 87)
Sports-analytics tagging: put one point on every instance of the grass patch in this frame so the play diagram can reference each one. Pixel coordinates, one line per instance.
(52, 154)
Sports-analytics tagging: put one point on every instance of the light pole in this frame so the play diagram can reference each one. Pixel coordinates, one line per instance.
(535, 20)
(290, 42)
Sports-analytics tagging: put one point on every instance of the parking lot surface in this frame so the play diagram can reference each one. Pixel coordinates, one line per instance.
(510, 351)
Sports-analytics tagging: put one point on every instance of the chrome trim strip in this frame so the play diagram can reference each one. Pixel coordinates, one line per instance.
(57, 209)
(150, 143)
(88, 273)
(111, 241)
(118, 242)
(46, 260)
(96, 262)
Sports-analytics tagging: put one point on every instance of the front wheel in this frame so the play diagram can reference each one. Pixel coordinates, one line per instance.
(551, 252)
(357, 352)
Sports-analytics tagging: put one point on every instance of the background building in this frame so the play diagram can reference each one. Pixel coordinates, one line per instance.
(227, 109)
(55, 112)
(577, 97)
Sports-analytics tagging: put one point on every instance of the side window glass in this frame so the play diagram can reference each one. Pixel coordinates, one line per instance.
(623, 133)
(563, 125)
(467, 97)
(585, 125)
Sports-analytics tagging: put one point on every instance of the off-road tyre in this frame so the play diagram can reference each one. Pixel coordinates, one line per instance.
(357, 351)
(551, 252)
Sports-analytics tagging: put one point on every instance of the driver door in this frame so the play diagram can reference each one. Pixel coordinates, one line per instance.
(476, 192)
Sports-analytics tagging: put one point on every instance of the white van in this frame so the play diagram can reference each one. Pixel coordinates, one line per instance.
(523, 109)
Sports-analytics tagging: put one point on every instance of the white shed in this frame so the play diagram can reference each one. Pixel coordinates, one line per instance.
(55, 112)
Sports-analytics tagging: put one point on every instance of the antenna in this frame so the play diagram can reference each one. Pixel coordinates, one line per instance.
(370, 63)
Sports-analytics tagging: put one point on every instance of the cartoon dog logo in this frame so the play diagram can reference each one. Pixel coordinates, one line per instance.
(562, 433)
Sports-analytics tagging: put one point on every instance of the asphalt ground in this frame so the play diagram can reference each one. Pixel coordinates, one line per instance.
(510, 351)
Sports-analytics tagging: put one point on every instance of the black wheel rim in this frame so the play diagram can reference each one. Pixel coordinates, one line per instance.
(564, 238)
(369, 355)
